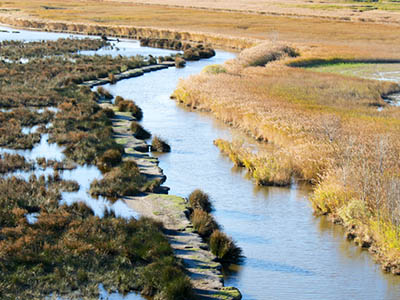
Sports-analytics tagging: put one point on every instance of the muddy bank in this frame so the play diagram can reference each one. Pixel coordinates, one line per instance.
(131, 32)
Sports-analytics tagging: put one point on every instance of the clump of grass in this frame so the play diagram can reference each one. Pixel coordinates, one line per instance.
(200, 200)
(179, 62)
(265, 53)
(109, 159)
(214, 69)
(13, 162)
(203, 223)
(104, 94)
(224, 248)
(160, 145)
(124, 180)
(139, 132)
(129, 106)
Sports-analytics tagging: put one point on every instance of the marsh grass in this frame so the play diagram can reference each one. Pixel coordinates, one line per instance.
(68, 251)
(222, 246)
(129, 106)
(318, 127)
(13, 162)
(200, 200)
(123, 180)
(203, 223)
(139, 132)
(160, 145)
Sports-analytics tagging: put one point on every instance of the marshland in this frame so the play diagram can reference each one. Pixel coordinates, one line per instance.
(287, 153)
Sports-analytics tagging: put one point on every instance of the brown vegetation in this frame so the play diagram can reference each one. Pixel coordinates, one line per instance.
(318, 127)
(67, 251)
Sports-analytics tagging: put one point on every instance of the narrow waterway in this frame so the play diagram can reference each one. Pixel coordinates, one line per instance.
(290, 254)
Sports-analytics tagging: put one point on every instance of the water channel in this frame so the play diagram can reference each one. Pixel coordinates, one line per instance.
(290, 254)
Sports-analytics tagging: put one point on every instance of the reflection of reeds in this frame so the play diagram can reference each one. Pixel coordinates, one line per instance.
(322, 128)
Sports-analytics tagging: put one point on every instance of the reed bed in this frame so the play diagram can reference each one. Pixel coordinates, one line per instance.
(319, 127)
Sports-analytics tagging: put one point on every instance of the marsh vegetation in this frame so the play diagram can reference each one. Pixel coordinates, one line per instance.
(69, 251)
(320, 128)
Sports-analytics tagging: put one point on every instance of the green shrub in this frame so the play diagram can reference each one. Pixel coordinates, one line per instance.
(159, 145)
(224, 248)
(139, 132)
(200, 200)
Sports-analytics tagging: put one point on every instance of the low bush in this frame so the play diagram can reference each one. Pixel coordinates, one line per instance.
(159, 145)
(200, 200)
(139, 132)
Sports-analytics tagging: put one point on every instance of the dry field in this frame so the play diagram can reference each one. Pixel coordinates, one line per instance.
(323, 36)
(367, 11)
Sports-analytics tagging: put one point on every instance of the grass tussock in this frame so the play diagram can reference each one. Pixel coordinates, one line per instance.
(139, 132)
(124, 180)
(129, 106)
(224, 248)
(160, 145)
(318, 127)
(200, 200)
(13, 162)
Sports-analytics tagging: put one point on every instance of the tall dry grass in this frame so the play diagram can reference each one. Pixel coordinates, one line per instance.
(321, 128)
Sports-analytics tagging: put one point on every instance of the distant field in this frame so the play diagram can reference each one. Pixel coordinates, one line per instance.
(366, 9)
(316, 36)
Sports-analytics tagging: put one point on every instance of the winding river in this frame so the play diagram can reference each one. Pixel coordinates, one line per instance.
(290, 254)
